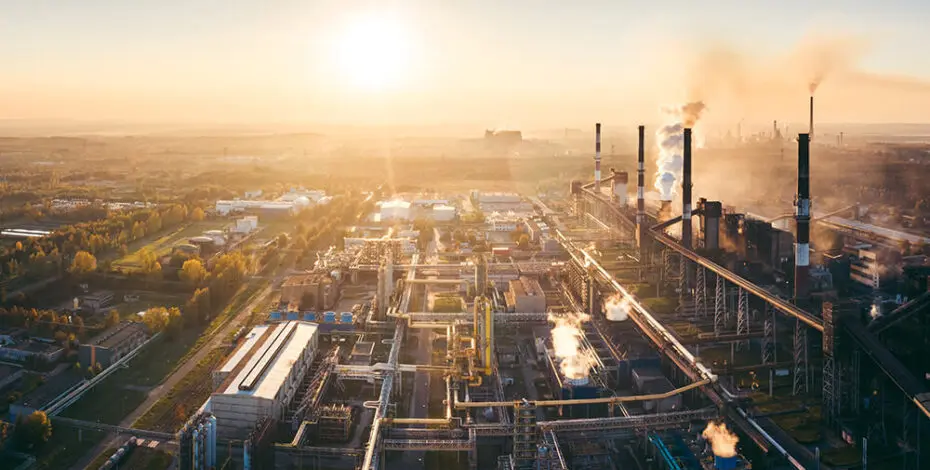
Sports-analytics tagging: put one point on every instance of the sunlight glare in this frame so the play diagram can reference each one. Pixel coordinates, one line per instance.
(374, 52)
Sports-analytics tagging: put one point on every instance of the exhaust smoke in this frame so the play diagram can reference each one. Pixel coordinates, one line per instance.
(617, 308)
(670, 141)
(722, 440)
(566, 342)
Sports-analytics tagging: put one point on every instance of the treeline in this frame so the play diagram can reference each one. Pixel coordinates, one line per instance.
(213, 288)
(39, 257)
(322, 226)
(43, 323)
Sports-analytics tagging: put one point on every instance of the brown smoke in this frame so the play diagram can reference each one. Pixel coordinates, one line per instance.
(821, 57)
(691, 112)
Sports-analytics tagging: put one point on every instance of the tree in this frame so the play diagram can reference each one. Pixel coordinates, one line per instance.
(112, 318)
(197, 214)
(193, 272)
(156, 318)
(83, 263)
(175, 322)
(282, 240)
(34, 430)
(523, 242)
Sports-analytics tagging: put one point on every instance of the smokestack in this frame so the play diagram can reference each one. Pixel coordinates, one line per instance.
(641, 189)
(810, 128)
(686, 191)
(803, 218)
(597, 158)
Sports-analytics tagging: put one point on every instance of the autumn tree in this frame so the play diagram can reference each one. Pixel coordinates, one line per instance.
(83, 263)
(112, 318)
(34, 430)
(156, 318)
(193, 272)
(197, 214)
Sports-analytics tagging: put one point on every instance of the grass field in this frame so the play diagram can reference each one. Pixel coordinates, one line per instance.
(161, 244)
(171, 411)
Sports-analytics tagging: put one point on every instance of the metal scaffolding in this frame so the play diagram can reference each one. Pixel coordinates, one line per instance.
(524, 435)
(830, 410)
(719, 305)
(700, 292)
(650, 421)
(800, 359)
(742, 319)
(768, 336)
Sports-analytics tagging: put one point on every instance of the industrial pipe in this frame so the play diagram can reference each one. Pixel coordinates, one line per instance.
(584, 401)
(803, 202)
(776, 302)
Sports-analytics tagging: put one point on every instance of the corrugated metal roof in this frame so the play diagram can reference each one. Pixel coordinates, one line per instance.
(278, 365)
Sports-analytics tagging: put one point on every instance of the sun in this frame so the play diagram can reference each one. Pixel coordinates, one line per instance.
(374, 52)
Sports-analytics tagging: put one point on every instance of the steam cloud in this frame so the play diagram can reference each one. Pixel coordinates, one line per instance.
(722, 440)
(566, 341)
(617, 308)
(875, 311)
(670, 140)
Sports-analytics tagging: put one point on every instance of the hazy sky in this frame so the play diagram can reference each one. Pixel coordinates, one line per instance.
(503, 63)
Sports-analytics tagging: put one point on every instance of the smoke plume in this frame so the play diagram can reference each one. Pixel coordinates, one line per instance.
(722, 440)
(617, 308)
(875, 311)
(566, 341)
(670, 140)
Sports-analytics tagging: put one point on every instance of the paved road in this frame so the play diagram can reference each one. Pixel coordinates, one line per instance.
(156, 393)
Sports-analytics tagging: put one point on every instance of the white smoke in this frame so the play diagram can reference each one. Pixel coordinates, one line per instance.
(617, 308)
(566, 342)
(875, 311)
(671, 139)
(722, 440)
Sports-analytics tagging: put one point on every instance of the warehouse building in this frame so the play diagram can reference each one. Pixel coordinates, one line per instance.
(525, 295)
(262, 377)
(111, 345)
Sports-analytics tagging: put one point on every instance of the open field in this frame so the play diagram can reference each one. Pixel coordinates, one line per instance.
(162, 245)
(172, 410)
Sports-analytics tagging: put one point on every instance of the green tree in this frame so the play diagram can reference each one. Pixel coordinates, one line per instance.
(193, 272)
(34, 430)
(83, 263)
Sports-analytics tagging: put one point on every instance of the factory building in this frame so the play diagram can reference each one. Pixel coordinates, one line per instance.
(525, 295)
(262, 377)
(247, 224)
(288, 204)
(97, 302)
(443, 213)
(112, 344)
(318, 288)
(501, 202)
(394, 210)
(506, 222)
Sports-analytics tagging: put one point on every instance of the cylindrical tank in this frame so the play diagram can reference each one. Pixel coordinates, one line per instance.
(292, 315)
(309, 316)
(578, 382)
(345, 317)
(329, 317)
(274, 316)
(724, 463)
(211, 441)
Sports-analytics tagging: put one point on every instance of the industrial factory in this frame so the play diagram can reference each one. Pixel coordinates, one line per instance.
(677, 332)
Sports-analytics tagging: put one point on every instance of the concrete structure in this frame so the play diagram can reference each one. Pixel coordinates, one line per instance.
(263, 380)
(97, 302)
(246, 224)
(443, 213)
(320, 286)
(17, 346)
(525, 295)
(508, 222)
(112, 344)
(394, 210)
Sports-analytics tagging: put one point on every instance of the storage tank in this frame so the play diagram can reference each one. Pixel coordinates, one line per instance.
(725, 463)
(274, 316)
(329, 317)
(292, 315)
(309, 316)
(346, 317)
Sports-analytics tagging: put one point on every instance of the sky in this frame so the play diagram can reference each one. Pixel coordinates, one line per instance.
(501, 64)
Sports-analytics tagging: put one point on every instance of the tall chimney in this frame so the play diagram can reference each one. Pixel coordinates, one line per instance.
(810, 128)
(803, 219)
(597, 158)
(641, 189)
(686, 192)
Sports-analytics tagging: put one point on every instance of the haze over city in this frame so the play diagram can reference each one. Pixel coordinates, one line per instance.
(464, 235)
(516, 64)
